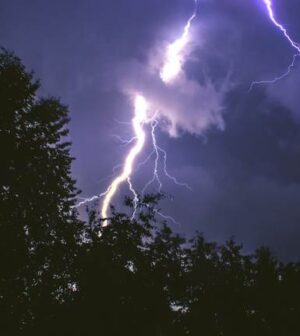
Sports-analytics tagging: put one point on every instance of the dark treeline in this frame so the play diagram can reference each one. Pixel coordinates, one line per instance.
(58, 276)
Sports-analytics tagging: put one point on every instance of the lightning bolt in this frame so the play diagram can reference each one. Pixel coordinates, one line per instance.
(88, 200)
(124, 141)
(293, 44)
(157, 150)
(175, 53)
(156, 160)
(135, 197)
(172, 178)
(140, 118)
(172, 67)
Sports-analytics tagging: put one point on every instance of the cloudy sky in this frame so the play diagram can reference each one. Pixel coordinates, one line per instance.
(238, 150)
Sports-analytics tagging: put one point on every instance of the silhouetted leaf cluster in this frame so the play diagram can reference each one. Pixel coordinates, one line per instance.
(38, 230)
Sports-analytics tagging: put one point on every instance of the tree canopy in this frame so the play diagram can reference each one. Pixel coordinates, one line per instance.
(38, 230)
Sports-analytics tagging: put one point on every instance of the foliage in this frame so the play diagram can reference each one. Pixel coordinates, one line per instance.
(38, 230)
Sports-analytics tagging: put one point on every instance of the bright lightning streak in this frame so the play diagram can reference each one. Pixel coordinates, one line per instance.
(145, 161)
(295, 45)
(172, 178)
(124, 141)
(156, 161)
(140, 117)
(157, 149)
(166, 217)
(269, 6)
(175, 53)
(135, 197)
(170, 70)
(89, 200)
(86, 200)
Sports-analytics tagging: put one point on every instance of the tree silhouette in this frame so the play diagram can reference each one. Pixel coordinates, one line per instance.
(38, 230)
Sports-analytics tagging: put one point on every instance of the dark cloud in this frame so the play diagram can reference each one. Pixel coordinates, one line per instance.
(246, 178)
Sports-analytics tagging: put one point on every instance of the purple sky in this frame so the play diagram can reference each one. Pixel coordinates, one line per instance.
(245, 178)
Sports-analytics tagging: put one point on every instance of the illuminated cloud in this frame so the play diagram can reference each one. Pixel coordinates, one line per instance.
(184, 106)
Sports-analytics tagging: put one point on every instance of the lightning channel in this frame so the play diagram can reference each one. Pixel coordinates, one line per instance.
(172, 178)
(166, 217)
(293, 44)
(174, 57)
(140, 118)
(124, 141)
(155, 176)
(135, 197)
(89, 200)
(171, 69)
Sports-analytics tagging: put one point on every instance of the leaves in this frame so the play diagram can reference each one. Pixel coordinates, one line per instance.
(38, 230)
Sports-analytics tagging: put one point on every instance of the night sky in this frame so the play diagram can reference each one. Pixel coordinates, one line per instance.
(239, 150)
